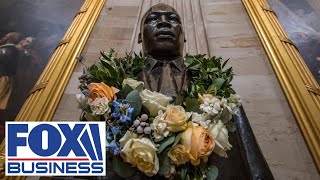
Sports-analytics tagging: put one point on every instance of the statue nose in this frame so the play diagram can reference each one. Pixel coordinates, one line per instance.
(163, 22)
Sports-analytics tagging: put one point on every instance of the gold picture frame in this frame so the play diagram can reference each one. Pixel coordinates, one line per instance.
(299, 85)
(47, 92)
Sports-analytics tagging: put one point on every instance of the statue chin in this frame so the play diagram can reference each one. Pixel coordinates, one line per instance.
(164, 48)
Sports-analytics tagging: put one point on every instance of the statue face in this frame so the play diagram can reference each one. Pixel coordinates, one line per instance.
(161, 32)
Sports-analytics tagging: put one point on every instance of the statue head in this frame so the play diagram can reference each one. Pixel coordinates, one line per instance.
(161, 32)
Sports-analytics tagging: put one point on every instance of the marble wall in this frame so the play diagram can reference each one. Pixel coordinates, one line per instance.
(229, 34)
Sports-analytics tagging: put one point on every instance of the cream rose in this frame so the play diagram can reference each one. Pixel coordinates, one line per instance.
(141, 153)
(154, 101)
(99, 106)
(134, 84)
(219, 133)
(127, 136)
(198, 143)
(178, 154)
(176, 118)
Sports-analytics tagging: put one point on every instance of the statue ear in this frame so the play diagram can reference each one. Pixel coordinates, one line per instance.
(185, 40)
(139, 38)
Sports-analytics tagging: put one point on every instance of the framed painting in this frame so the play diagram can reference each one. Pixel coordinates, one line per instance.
(39, 42)
(290, 33)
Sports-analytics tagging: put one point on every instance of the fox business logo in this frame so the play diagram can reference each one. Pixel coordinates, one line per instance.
(55, 148)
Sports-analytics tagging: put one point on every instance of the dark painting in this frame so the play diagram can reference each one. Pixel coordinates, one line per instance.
(301, 20)
(29, 32)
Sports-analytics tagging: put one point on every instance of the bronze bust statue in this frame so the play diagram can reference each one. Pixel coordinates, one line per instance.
(162, 38)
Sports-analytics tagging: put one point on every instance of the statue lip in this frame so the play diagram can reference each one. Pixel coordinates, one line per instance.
(165, 34)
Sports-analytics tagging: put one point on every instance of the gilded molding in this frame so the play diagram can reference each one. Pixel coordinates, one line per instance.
(38, 87)
(63, 41)
(287, 40)
(292, 73)
(313, 89)
(42, 102)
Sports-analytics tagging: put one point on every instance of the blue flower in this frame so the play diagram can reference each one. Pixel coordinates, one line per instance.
(130, 111)
(115, 103)
(115, 130)
(85, 92)
(108, 135)
(113, 147)
(125, 119)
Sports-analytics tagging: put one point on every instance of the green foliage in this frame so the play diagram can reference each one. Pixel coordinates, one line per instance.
(192, 105)
(231, 126)
(208, 76)
(212, 172)
(123, 169)
(134, 99)
(176, 141)
(164, 164)
(165, 143)
(112, 70)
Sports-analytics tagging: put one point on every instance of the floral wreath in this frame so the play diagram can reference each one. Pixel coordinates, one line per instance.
(154, 133)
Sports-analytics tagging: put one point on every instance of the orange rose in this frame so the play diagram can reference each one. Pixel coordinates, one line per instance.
(198, 143)
(101, 90)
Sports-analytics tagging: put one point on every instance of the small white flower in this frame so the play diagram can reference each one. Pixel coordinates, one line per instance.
(99, 106)
(236, 99)
(200, 119)
(234, 108)
(159, 127)
(211, 106)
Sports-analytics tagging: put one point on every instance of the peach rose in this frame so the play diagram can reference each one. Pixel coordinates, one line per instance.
(176, 118)
(178, 154)
(198, 143)
(101, 90)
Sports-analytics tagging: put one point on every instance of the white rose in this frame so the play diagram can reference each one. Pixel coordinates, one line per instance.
(82, 100)
(154, 101)
(129, 135)
(99, 106)
(159, 128)
(143, 154)
(134, 84)
(219, 133)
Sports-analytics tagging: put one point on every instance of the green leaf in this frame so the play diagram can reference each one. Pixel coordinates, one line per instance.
(225, 63)
(164, 164)
(176, 141)
(213, 172)
(126, 89)
(106, 57)
(165, 143)
(225, 117)
(134, 99)
(212, 89)
(219, 82)
(139, 87)
(192, 105)
(123, 169)
(179, 100)
(111, 69)
(183, 172)
(231, 126)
